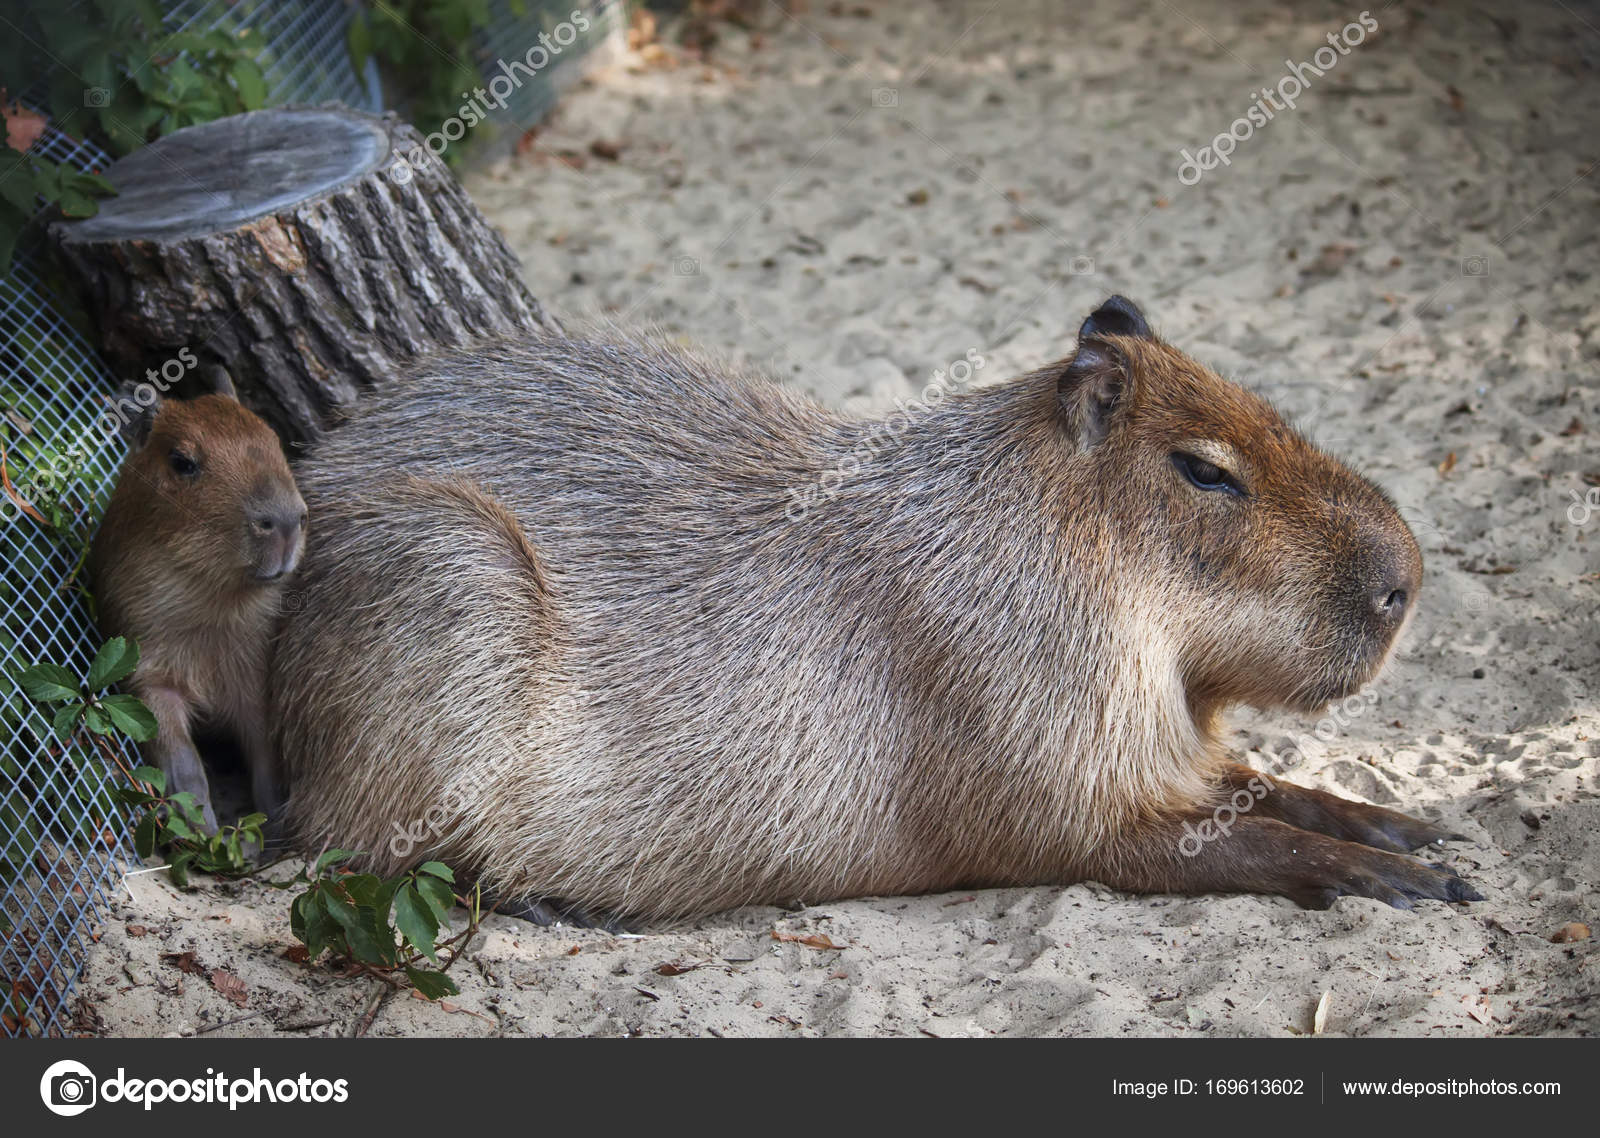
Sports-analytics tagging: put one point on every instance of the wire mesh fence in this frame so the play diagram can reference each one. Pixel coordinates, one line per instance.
(60, 840)
(63, 838)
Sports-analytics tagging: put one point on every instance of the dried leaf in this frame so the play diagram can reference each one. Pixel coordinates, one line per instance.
(183, 962)
(230, 987)
(810, 940)
(23, 127)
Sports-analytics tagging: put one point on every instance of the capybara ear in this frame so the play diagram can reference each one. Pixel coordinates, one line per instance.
(131, 414)
(1118, 316)
(219, 382)
(1091, 388)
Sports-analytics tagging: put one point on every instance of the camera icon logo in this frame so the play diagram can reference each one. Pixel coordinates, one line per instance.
(886, 96)
(68, 1088)
(1475, 267)
(686, 267)
(96, 97)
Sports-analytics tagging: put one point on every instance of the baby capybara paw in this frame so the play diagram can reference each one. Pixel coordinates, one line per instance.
(1391, 878)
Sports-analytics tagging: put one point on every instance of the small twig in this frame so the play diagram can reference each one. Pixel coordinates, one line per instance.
(230, 1023)
(375, 1001)
(11, 492)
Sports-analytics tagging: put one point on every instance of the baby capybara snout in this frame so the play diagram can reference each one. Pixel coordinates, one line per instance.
(275, 518)
(1292, 575)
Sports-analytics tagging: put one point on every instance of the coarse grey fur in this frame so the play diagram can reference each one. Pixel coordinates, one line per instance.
(557, 626)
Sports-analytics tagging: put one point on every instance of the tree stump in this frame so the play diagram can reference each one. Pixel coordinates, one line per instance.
(307, 252)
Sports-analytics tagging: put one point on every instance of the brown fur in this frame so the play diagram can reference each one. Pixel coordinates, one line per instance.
(192, 566)
(580, 648)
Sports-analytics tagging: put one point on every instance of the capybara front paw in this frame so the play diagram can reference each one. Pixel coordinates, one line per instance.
(1391, 878)
(1389, 830)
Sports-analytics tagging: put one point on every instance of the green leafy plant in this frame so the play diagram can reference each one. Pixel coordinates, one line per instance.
(84, 703)
(29, 183)
(387, 927)
(121, 78)
(80, 722)
(172, 825)
(426, 50)
(169, 824)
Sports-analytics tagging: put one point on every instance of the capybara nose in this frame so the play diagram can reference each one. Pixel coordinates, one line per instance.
(281, 528)
(1392, 598)
(284, 522)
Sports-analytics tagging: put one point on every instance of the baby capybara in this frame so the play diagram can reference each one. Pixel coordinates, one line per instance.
(561, 630)
(203, 529)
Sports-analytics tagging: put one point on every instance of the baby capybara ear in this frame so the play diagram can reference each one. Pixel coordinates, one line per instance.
(1095, 380)
(217, 381)
(131, 418)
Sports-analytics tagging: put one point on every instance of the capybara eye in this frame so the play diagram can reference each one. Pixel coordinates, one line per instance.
(1205, 475)
(182, 464)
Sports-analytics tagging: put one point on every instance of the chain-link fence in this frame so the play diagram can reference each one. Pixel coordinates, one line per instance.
(63, 841)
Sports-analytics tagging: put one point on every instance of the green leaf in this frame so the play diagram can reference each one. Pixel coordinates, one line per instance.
(75, 204)
(330, 857)
(309, 922)
(96, 720)
(416, 922)
(178, 868)
(131, 717)
(437, 869)
(49, 683)
(433, 985)
(66, 720)
(365, 944)
(144, 835)
(438, 896)
(251, 86)
(363, 889)
(153, 776)
(115, 661)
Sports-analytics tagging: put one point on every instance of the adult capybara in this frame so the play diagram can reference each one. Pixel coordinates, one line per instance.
(203, 529)
(563, 629)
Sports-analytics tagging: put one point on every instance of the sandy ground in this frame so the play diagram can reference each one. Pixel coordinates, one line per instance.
(1404, 261)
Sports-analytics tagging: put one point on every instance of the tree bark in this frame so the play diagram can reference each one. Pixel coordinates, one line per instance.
(307, 252)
